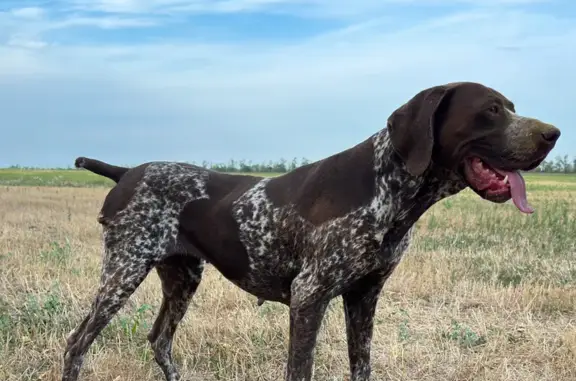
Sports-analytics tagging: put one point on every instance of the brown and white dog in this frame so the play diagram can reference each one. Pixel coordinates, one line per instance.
(338, 226)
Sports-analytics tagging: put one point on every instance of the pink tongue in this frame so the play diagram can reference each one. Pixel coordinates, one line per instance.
(518, 190)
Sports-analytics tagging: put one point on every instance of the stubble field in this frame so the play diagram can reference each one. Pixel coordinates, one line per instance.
(484, 293)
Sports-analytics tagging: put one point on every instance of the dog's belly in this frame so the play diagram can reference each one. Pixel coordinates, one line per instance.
(269, 276)
(263, 279)
(272, 289)
(261, 270)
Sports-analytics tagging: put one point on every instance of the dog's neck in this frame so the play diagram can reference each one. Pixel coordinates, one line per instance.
(400, 195)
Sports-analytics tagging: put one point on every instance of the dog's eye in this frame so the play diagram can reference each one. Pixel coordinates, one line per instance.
(494, 109)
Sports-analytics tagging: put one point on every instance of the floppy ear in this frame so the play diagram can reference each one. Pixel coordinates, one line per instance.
(411, 128)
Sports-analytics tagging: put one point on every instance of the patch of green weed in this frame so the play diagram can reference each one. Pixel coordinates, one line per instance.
(463, 335)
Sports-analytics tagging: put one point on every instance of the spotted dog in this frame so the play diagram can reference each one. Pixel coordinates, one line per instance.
(335, 227)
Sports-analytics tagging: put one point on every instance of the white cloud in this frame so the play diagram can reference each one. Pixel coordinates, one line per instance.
(366, 48)
(27, 27)
(108, 22)
(314, 8)
(32, 13)
(20, 42)
(465, 43)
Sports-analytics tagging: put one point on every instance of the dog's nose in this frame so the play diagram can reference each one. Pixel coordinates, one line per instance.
(551, 134)
(545, 134)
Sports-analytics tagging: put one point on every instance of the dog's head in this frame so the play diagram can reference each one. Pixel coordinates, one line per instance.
(473, 131)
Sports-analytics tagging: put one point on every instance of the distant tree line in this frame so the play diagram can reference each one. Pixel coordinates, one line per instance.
(243, 166)
(561, 164)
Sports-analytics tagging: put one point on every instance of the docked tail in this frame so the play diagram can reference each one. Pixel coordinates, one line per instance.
(110, 171)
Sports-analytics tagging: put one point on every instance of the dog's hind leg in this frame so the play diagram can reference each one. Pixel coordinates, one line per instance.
(129, 255)
(180, 276)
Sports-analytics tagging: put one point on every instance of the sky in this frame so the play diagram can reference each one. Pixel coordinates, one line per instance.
(131, 81)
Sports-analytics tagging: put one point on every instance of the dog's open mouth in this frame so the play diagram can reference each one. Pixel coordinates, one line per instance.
(497, 185)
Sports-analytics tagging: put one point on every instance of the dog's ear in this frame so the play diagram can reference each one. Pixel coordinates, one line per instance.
(411, 128)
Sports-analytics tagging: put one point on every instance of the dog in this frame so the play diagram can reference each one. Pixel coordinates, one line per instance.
(334, 227)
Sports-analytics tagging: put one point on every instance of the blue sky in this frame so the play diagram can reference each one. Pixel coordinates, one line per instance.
(129, 81)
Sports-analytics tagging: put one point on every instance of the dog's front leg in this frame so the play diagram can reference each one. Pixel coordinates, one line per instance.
(307, 310)
(359, 309)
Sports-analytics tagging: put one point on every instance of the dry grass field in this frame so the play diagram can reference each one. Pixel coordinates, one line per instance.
(484, 293)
